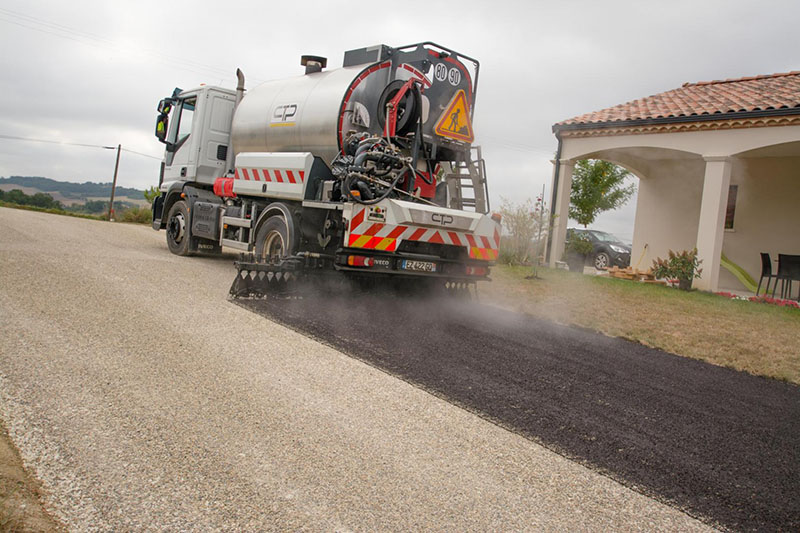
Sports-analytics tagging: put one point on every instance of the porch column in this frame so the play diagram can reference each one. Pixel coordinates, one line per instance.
(710, 228)
(561, 210)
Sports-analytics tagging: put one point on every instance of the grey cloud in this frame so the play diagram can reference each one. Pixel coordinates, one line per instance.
(97, 71)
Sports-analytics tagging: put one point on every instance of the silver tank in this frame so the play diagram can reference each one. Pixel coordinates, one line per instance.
(298, 114)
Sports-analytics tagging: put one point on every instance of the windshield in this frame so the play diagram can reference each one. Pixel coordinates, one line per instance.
(602, 236)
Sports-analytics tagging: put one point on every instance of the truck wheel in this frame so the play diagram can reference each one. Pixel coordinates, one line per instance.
(178, 232)
(272, 240)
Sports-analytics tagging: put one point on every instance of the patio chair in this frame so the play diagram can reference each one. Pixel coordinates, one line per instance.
(793, 274)
(766, 272)
(788, 271)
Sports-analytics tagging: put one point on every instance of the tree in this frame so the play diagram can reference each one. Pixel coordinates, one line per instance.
(597, 186)
(39, 199)
(151, 194)
(524, 223)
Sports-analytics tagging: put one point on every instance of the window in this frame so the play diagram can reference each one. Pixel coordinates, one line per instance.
(729, 213)
(185, 120)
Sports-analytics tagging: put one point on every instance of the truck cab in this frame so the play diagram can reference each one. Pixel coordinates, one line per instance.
(198, 134)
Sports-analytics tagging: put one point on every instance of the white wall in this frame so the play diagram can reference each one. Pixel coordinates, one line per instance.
(767, 215)
(668, 209)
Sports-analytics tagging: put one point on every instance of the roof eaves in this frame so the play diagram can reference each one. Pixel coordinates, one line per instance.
(672, 119)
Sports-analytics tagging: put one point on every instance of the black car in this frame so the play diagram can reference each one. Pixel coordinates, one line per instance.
(607, 250)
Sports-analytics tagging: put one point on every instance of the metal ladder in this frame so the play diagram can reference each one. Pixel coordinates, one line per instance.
(468, 176)
(246, 227)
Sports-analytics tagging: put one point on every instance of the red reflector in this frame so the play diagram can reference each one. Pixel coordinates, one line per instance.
(223, 187)
(359, 261)
(476, 271)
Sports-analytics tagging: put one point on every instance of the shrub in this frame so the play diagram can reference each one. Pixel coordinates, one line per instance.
(579, 245)
(524, 225)
(683, 266)
(136, 215)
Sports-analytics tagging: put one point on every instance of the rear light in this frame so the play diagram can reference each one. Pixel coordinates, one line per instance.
(477, 271)
(359, 261)
(497, 217)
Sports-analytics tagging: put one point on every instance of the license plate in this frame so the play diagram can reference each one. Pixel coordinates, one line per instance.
(418, 266)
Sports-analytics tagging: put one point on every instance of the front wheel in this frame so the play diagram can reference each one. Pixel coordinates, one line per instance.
(602, 261)
(178, 231)
(272, 240)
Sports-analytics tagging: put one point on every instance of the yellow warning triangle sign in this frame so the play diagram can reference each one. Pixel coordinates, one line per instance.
(455, 122)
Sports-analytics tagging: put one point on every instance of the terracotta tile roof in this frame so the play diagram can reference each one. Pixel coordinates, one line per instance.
(754, 93)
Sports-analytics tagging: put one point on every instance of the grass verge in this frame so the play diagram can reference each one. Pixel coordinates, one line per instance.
(134, 215)
(51, 211)
(756, 338)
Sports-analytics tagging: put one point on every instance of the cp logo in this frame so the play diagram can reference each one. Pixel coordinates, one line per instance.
(283, 113)
(444, 220)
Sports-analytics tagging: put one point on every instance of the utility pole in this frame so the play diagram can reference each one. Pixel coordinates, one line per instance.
(539, 242)
(114, 184)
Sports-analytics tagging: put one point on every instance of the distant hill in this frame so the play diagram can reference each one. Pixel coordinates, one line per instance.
(76, 191)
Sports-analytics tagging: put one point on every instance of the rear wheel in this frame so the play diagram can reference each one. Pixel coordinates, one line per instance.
(178, 232)
(272, 240)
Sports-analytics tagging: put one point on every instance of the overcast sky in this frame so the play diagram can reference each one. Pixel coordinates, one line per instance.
(92, 72)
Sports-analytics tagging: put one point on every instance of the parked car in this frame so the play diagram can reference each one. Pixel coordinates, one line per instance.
(607, 250)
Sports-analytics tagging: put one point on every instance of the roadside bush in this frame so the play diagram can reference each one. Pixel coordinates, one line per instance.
(136, 215)
(52, 212)
(151, 194)
(524, 225)
(40, 199)
(510, 254)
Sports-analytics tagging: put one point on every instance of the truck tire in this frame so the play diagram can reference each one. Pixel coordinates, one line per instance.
(178, 229)
(272, 240)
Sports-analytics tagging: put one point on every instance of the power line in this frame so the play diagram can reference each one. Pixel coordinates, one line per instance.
(15, 138)
(141, 154)
(59, 30)
(90, 39)
(65, 143)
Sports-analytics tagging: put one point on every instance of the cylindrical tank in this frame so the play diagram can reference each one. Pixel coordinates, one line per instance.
(314, 112)
(298, 114)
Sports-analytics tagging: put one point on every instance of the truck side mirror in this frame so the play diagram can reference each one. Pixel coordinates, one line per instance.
(162, 126)
(165, 106)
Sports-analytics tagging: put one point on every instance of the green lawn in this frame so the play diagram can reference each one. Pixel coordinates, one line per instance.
(757, 338)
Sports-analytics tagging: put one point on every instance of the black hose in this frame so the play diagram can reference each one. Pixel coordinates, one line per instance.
(373, 201)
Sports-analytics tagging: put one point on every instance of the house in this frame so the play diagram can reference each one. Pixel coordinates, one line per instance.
(718, 164)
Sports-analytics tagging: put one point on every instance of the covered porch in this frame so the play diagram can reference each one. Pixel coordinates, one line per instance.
(723, 184)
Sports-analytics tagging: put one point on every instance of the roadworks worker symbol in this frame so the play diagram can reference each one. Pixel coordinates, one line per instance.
(455, 122)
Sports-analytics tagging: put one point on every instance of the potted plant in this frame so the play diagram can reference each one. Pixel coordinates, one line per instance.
(578, 247)
(683, 266)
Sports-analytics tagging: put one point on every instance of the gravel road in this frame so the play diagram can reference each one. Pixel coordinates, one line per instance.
(143, 400)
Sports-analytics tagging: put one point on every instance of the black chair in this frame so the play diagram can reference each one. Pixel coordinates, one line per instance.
(788, 271)
(792, 273)
(766, 272)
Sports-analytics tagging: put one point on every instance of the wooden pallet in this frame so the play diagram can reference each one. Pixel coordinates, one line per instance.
(634, 274)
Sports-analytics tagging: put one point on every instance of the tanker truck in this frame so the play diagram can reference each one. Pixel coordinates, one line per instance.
(366, 169)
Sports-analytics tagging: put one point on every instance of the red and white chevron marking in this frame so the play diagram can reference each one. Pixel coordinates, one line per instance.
(275, 175)
(387, 237)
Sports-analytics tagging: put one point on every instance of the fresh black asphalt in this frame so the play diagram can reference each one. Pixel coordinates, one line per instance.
(720, 444)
